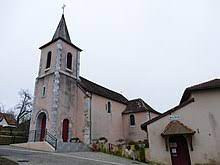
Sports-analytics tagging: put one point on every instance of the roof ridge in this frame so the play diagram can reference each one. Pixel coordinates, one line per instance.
(211, 84)
(204, 82)
(135, 99)
(167, 112)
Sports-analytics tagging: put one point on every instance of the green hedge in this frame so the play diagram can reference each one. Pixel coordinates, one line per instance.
(5, 140)
(11, 131)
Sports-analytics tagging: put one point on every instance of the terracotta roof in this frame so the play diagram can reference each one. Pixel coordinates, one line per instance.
(9, 118)
(212, 84)
(144, 125)
(176, 128)
(101, 91)
(138, 105)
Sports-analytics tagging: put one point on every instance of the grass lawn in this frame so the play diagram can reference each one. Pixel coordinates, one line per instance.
(4, 161)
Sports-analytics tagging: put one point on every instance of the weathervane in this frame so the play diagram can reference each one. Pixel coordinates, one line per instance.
(63, 7)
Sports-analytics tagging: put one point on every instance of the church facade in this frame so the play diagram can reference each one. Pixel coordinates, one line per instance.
(68, 106)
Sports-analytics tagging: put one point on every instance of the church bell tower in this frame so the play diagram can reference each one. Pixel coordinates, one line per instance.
(55, 96)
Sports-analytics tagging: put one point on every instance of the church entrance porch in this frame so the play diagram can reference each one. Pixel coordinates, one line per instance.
(41, 127)
(177, 138)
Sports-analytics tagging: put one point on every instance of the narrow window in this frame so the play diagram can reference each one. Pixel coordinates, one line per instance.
(69, 61)
(132, 120)
(43, 91)
(109, 108)
(48, 60)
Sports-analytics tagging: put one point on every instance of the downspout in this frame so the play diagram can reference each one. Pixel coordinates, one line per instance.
(90, 119)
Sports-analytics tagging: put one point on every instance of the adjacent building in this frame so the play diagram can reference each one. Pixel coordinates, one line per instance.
(7, 120)
(190, 132)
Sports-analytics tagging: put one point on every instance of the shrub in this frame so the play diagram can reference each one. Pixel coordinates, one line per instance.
(75, 140)
(94, 147)
(118, 152)
(103, 140)
(5, 140)
(142, 154)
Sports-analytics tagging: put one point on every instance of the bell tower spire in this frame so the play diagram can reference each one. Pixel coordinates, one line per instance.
(62, 31)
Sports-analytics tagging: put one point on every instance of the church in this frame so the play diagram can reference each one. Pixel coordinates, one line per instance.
(67, 106)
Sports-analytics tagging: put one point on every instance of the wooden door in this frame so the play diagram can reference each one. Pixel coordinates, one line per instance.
(179, 151)
(43, 128)
(65, 130)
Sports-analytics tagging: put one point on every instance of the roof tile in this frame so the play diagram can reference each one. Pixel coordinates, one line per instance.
(101, 91)
(138, 105)
(176, 128)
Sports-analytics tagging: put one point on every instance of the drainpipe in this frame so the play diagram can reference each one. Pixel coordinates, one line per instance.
(90, 119)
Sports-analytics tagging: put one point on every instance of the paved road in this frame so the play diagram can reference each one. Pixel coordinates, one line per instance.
(30, 157)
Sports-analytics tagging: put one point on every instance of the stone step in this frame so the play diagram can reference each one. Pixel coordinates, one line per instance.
(42, 146)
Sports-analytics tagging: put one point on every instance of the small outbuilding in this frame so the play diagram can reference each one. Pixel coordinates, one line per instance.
(7, 120)
(190, 132)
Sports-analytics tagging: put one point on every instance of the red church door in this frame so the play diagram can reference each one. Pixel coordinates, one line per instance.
(43, 128)
(65, 130)
(179, 151)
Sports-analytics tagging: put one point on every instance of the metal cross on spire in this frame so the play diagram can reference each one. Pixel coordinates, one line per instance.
(63, 7)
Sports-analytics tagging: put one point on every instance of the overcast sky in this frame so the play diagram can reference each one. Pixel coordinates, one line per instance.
(150, 49)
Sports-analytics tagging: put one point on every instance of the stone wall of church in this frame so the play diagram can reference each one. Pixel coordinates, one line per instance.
(135, 133)
(67, 107)
(66, 48)
(60, 100)
(43, 59)
(82, 129)
(104, 124)
(42, 103)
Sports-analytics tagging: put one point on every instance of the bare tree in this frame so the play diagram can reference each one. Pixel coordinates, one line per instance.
(2, 108)
(24, 107)
(11, 112)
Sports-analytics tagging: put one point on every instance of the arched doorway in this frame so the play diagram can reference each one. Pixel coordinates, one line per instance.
(41, 127)
(179, 150)
(65, 132)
